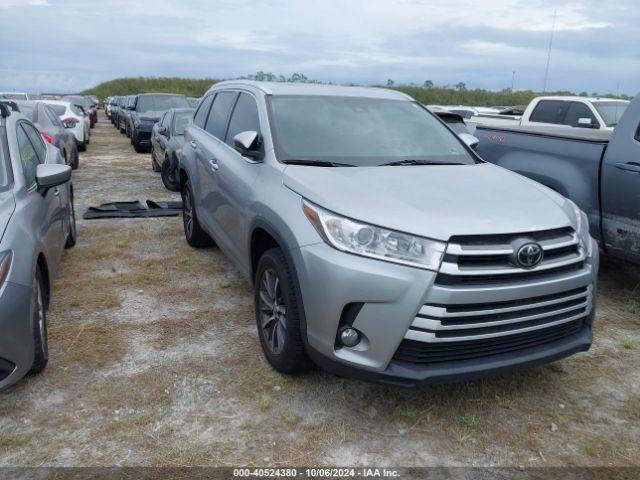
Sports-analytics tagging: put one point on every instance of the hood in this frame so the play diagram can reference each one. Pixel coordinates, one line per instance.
(151, 115)
(435, 201)
(7, 206)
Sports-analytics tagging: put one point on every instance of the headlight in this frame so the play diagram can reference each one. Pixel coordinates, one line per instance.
(582, 228)
(374, 242)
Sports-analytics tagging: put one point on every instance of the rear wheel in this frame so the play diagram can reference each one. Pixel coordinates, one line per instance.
(193, 232)
(169, 176)
(75, 158)
(71, 237)
(39, 319)
(82, 146)
(278, 314)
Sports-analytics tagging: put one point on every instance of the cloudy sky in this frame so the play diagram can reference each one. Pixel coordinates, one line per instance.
(65, 45)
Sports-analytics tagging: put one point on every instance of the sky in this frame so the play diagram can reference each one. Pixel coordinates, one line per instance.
(70, 45)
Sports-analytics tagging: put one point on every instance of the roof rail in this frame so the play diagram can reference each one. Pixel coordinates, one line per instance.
(6, 106)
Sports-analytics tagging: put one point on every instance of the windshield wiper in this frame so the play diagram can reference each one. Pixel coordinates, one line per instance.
(401, 163)
(316, 163)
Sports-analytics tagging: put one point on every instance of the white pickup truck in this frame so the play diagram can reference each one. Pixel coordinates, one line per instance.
(580, 112)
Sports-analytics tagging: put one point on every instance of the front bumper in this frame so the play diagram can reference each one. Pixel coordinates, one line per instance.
(142, 134)
(16, 338)
(387, 298)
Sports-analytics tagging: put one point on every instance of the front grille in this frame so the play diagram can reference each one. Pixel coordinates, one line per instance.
(437, 323)
(490, 259)
(423, 353)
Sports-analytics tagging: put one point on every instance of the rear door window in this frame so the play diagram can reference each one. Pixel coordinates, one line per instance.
(548, 111)
(245, 117)
(576, 111)
(36, 139)
(52, 116)
(219, 114)
(202, 113)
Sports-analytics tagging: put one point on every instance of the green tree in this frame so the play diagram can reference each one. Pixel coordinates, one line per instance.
(427, 84)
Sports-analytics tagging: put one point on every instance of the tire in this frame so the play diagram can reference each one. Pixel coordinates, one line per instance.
(278, 314)
(72, 236)
(170, 179)
(75, 158)
(39, 319)
(82, 147)
(193, 232)
(154, 165)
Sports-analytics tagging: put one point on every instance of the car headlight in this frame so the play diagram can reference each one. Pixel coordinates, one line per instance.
(375, 242)
(582, 228)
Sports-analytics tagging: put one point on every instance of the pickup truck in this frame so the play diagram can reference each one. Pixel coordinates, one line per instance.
(570, 111)
(599, 170)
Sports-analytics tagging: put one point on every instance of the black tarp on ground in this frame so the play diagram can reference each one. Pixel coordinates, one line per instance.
(134, 209)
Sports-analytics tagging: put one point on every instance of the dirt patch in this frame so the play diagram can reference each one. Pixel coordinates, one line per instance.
(155, 360)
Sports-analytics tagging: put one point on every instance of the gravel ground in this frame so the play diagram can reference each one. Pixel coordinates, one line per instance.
(155, 360)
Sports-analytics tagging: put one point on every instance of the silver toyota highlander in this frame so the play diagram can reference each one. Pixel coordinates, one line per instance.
(380, 246)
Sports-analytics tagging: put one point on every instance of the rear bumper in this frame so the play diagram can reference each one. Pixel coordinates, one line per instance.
(16, 339)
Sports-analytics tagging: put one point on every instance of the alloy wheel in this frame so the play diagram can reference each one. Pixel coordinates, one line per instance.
(187, 213)
(273, 311)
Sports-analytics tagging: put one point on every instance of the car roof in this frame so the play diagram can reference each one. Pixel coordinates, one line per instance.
(278, 88)
(569, 98)
(148, 93)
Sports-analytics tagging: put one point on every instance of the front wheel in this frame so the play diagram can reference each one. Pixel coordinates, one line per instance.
(278, 314)
(169, 176)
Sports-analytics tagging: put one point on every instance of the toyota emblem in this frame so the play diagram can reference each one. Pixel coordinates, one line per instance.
(529, 255)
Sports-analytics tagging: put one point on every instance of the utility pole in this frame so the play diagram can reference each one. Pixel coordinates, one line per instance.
(546, 70)
(513, 79)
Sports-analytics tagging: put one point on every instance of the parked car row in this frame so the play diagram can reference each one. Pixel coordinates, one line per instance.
(135, 115)
(37, 221)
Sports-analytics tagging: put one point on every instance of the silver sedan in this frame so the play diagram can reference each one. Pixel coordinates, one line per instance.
(37, 221)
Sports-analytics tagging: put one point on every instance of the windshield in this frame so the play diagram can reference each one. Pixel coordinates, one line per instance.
(27, 112)
(159, 103)
(14, 96)
(80, 101)
(611, 111)
(4, 175)
(360, 131)
(180, 122)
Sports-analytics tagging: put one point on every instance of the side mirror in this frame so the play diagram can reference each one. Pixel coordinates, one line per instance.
(469, 140)
(52, 175)
(163, 131)
(586, 123)
(247, 144)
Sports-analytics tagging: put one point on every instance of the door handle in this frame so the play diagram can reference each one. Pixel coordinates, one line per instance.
(629, 166)
(213, 164)
(193, 144)
(56, 192)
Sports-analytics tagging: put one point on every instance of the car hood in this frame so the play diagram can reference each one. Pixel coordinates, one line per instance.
(435, 201)
(7, 206)
(150, 115)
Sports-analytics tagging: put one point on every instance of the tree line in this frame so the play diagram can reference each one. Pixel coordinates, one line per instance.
(426, 92)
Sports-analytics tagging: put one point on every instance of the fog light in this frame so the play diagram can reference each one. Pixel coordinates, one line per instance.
(349, 337)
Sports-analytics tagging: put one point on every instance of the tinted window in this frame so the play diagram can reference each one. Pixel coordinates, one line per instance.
(4, 162)
(361, 131)
(548, 111)
(59, 109)
(180, 122)
(245, 117)
(576, 111)
(27, 112)
(159, 103)
(36, 140)
(52, 116)
(28, 158)
(217, 121)
(203, 111)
